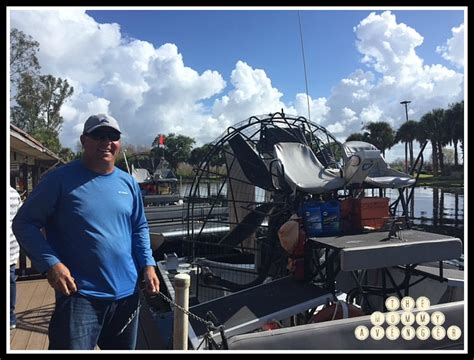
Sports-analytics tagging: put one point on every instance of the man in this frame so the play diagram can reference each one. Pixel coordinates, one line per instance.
(15, 202)
(96, 244)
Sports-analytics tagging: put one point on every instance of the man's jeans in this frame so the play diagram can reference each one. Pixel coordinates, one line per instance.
(80, 323)
(12, 295)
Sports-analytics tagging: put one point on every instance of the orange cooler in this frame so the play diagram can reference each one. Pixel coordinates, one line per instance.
(370, 212)
(346, 215)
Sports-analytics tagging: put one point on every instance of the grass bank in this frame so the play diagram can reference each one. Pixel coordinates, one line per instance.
(455, 180)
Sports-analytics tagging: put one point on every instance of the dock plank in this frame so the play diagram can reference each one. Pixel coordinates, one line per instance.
(39, 318)
(19, 339)
(25, 290)
(35, 303)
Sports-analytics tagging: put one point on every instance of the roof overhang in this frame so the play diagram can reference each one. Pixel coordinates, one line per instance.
(21, 142)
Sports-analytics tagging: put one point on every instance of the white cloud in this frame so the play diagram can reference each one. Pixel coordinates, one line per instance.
(348, 115)
(347, 100)
(389, 47)
(336, 129)
(395, 73)
(318, 108)
(454, 49)
(71, 42)
(252, 94)
(150, 90)
(371, 113)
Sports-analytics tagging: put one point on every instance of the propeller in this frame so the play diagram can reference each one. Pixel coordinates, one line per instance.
(248, 225)
(252, 165)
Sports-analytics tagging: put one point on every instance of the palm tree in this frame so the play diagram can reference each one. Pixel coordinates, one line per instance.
(441, 135)
(430, 129)
(407, 134)
(381, 135)
(356, 137)
(454, 120)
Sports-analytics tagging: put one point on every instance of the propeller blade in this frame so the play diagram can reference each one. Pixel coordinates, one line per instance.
(252, 165)
(248, 225)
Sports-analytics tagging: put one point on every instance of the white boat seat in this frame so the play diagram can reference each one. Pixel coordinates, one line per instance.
(393, 182)
(358, 166)
(303, 171)
(380, 175)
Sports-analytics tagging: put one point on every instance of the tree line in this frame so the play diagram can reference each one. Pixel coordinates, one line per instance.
(176, 149)
(37, 100)
(441, 127)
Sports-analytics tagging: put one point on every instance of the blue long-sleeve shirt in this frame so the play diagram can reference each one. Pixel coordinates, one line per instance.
(95, 224)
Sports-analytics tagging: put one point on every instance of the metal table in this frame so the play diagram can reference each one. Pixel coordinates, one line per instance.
(376, 250)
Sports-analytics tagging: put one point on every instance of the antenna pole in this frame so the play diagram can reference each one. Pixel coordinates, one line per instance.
(126, 162)
(304, 67)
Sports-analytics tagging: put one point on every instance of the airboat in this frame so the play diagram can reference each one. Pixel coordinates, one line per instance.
(298, 246)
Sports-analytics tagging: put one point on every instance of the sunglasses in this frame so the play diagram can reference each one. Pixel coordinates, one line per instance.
(104, 135)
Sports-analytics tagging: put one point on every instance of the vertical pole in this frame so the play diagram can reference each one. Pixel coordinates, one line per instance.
(304, 68)
(406, 158)
(406, 144)
(126, 162)
(180, 328)
(406, 102)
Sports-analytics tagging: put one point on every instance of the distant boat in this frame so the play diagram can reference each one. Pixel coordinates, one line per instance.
(159, 186)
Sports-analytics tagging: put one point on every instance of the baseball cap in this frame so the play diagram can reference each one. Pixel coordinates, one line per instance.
(100, 120)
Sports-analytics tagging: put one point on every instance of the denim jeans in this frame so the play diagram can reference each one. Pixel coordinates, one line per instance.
(81, 323)
(12, 295)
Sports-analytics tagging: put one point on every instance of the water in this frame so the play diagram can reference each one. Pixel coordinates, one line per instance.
(205, 190)
(435, 205)
(436, 209)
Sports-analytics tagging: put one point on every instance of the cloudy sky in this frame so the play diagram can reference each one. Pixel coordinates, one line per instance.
(196, 72)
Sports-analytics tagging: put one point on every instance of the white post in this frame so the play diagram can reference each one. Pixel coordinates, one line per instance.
(180, 332)
(126, 162)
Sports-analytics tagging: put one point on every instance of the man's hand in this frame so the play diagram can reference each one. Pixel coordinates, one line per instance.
(59, 277)
(152, 283)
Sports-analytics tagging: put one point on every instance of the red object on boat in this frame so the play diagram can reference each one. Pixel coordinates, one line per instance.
(337, 310)
(162, 141)
(272, 325)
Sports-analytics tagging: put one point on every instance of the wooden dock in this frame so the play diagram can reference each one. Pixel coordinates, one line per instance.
(34, 306)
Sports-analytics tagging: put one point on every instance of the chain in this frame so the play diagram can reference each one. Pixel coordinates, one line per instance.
(135, 313)
(209, 324)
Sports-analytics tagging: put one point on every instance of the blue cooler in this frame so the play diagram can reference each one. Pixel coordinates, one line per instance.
(330, 213)
(312, 217)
